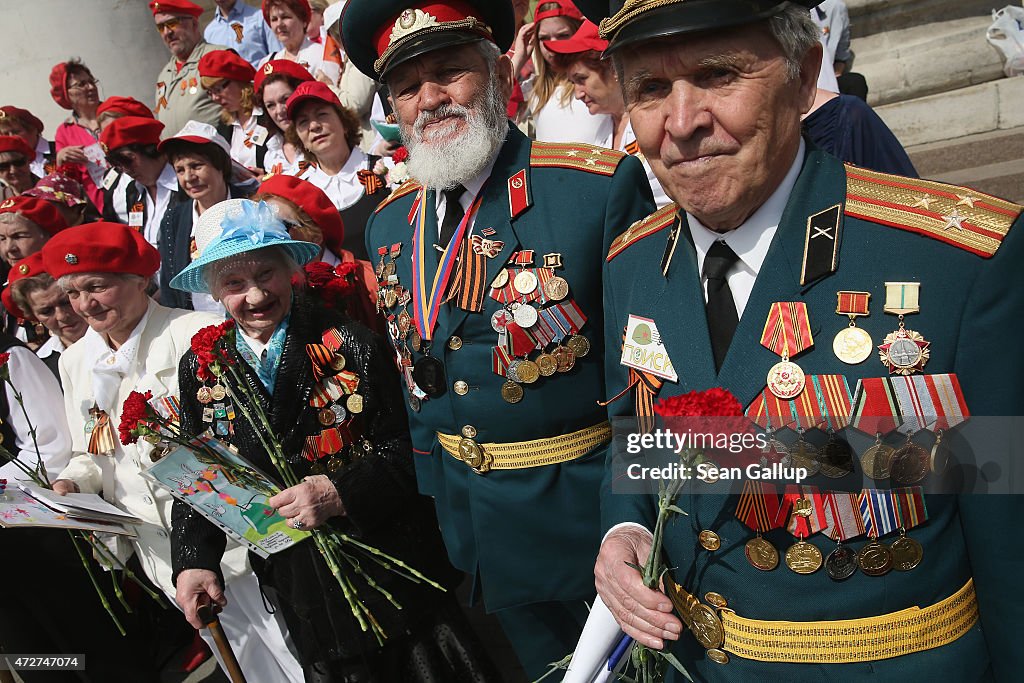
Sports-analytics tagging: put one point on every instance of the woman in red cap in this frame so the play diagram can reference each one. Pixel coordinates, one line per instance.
(22, 123)
(275, 82)
(133, 343)
(328, 135)
(289, 19)
(73, 87)
(115, 106)
(227, 79)
(15, 157)
(555, 115)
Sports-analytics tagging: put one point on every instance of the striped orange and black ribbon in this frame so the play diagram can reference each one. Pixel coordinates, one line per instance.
(370, 180)
(101, 440)
(758, 506)
(320, 356)
(470, 282)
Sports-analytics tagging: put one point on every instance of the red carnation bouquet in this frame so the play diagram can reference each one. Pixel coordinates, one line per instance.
(333, 284)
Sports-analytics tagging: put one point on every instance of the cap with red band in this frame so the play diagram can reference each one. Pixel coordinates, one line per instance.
(565, 9)
(381, 34)
(39, 211)
(30, 266)
(175, 7)
(585, 39)
(126, 106)
(23, 115)
(313, 201)
(130, 130)
(226, 64)
(281, 67)
(311, 90)
(100, 247)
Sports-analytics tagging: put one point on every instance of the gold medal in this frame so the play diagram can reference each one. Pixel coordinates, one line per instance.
(875, 559)
(525, 282)
(415, 340)
(511, 392)
(337, 362)
(803, 557)
(715, 599)
(354, 403)
(579, 345)
(546, 364)
(805, 455)
(390, 298)
(836, 458)
(906, 553)
(219, 393)
(709, 540)
(909, 464)
(389, 269)
(565, 357)
(528, 372)
(717, 656)
(761, 554)
(500, 280)
(403, 322)
(877, 460)
(556, 288)
(786, 380)
(706, 626)
(939, 459)
(852, 345)
(204, 395)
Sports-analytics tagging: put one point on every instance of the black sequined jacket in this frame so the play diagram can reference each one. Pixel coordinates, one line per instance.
(377, 488)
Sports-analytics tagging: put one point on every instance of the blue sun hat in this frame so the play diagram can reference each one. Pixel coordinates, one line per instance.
(233, 227)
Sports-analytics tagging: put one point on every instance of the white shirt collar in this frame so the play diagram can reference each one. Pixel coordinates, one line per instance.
(53, 345)
(752, 238)
(111, 367)
(356, 162)
(168, 179)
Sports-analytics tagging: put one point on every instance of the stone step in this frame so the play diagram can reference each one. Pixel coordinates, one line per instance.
(931, 58)
(990, 162)
(868, 17)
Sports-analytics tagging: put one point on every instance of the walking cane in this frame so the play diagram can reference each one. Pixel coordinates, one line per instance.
(209, 618)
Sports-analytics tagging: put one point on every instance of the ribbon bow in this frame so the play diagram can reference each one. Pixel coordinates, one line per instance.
(489, 248)
(370, 180)
(257, 223)
(320, 356)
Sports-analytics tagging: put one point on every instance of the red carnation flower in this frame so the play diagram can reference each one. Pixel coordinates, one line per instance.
(4, 357)
(135, 415)
(319, 274)
(714, 402)
(401, 154)
(206, 344)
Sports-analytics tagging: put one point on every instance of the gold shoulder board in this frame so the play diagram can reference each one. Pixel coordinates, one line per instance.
(965, 218)
(657, 221)
(575, 155)
(399, 192)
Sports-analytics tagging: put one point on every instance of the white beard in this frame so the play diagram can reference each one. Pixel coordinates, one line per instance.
(452, 161)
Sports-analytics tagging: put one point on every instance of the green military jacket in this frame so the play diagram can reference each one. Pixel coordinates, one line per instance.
(889, 229)
(528, 535)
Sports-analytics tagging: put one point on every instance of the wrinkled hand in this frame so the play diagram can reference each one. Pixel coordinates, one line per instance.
(312, 502)
(72, 154)
(195, 588)
(65, 486)
(522, 46)
(644, 614)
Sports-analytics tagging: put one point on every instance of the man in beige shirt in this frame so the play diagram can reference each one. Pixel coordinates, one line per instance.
(179, 95)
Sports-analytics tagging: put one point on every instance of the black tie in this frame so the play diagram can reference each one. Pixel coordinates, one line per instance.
(453, 214)
(721, 309)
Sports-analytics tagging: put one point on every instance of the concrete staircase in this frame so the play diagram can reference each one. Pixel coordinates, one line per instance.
(940, 87)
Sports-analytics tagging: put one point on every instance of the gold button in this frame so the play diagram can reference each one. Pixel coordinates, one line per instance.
(715, 599)
(718, 656)
(469, 431)
(455, 343)
(709, 540)
(461, 388)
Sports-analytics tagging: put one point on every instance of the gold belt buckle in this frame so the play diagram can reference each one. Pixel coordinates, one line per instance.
(473, 454)
(702, 620)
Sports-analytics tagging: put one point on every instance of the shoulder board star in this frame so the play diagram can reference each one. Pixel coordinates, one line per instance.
(657, 221)
(577, 156)
(891, 200)
(402, 190)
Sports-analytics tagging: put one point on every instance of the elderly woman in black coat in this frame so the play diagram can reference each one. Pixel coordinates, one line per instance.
(366, 489)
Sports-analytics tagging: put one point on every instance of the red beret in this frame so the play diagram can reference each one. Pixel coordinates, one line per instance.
(39, 211)
(59, 85)
(175, 7)
(12, 143)
(313, 201)
(24, 115)
(130, 130)
(100, 247)
(30, 266)
(127, 106)
(586, 39)
(226, 64)
(284, 67)
(310, 90)
(300, 7)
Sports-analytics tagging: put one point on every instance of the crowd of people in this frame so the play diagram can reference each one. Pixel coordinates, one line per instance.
(501, 199)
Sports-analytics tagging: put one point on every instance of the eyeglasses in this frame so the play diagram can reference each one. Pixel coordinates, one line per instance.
(84, 84)
(122, 161)
(217, 88)
(8, 166)
(169, 25)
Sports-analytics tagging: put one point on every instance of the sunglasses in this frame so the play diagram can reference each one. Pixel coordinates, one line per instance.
(8, 166)
(169, 25)
(122, 161)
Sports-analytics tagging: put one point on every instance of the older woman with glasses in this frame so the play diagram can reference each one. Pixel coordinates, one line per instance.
(15, 157)
(73, 87)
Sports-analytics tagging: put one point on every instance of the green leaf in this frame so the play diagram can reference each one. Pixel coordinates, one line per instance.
(635, 566)
(671, 659)
(677, 510)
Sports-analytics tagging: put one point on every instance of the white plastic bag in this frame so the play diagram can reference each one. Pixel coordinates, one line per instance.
(1006, 34)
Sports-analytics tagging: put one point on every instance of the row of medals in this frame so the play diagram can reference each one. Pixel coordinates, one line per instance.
(336, 414)
(560, 359)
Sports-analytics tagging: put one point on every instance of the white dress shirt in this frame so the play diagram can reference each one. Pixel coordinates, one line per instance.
(573, 122)
(473, 188)
(629, 137)
(166, 185)
(41, 397)
(344, 189)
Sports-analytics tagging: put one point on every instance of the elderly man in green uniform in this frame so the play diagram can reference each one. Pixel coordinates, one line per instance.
(766, 235)
(489, 269)
(179, 94)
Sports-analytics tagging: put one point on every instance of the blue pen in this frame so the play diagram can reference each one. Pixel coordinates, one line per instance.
(619, 651)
